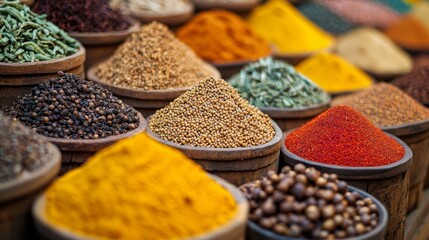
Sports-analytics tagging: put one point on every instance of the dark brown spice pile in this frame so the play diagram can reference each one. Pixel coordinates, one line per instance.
(71, 108)
(415, 84)
(82, 15)
(302, 202)
(20, 149)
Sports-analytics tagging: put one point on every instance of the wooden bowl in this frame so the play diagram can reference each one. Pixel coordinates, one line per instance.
(288, 119)
(237, 6)
(236, 165)
(17, 195)
(169, 18)
(17, 79)
(296, 58)
(388, 183)
(416, 136)
(147, 102)
(255, 232)
(233, 230)
(101, 45)
(75, 152)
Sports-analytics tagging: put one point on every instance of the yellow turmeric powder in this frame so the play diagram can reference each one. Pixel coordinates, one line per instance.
(221, 36)
(284, 26)
(138, 189)
(333, 73)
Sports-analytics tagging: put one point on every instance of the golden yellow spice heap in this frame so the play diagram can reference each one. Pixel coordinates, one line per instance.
(333, 73)
(129, 192)
(221, 36)
(281, 24)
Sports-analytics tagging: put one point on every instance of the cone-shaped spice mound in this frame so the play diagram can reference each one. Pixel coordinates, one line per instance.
(20, 149)
(126, 193)
(72, 108)
(386, 105)
(153, 59)
(342, 136)
(212, 114)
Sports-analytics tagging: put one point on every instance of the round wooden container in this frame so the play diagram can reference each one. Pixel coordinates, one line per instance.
(101, 45)
(75, 152)
(255, 232)
(236, 165)
(416, 136)
(169, 18)
(288, 119)
(389, 183)
(144, 101)
(17, 79)
(16, 198)
(237, 6)
(232, 230)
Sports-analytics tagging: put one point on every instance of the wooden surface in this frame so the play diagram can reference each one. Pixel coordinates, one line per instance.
(232, 230)
(389, 184)
(50, 66)
(255, 232)
(417, 223)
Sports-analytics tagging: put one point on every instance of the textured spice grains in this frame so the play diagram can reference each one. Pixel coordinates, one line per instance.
(416, 84)
(21, 150)
(153, 59)
(222, 36)
(212, 114)
(386, 105)
(342, 136)
(126, 192)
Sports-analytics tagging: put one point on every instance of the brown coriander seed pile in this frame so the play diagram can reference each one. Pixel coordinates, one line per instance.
(302, 202)
(212, 114)
(153, 59)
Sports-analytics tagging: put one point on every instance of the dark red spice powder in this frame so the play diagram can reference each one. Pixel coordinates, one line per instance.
(342, 136)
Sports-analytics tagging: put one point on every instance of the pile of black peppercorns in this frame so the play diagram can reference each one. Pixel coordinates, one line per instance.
(72, 108)
(302, 202)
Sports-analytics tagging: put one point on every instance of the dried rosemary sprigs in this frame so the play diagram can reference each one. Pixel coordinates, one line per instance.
(273, 83)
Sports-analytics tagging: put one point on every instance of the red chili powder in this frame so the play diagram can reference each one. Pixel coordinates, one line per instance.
(342, 136)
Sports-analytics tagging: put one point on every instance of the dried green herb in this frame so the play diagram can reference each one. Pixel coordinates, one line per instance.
(28, 37)
(273, 83)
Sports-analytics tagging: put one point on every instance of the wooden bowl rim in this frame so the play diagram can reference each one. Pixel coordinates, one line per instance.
(30, 182)
(300, 112)
(236, 63)
(303, 55)
(225, 153)
(408, 129)
(82, 144)
(164, 94)
(378, 231)
(34, 67)
(351, 173)
(81, 36)
(56, 232)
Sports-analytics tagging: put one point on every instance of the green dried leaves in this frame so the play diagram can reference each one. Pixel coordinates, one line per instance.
(272, 83)
(28, 37)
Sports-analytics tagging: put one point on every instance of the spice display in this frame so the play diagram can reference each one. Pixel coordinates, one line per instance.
(416, 84)
(273, 83)
(421, 12)
(401, 6)
(363, 12)
(153, 59)
(325, 18)
(333, 73)
(174, 201)
(303, 202)
(140, 7)
(212, 114)
(288, 29)
(72, 108)
(82, 15)
(28, 37)
(386, 105)
(372, 51)
(222, 36)
(342, 136)
(421, 60)
(21, 150)
(409, 32)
